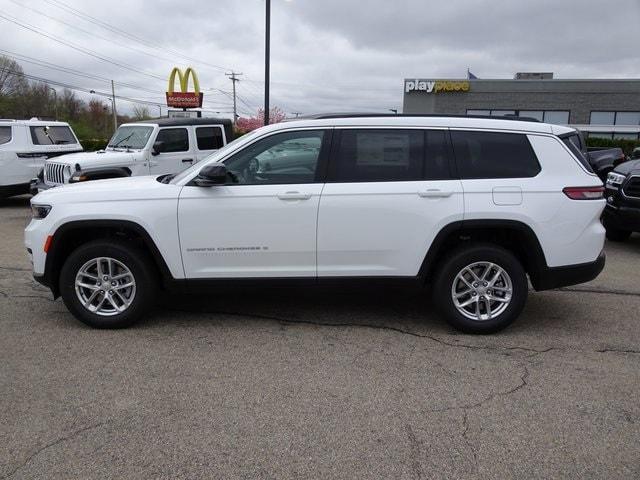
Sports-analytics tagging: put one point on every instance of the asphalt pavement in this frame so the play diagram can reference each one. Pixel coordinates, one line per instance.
(319, 383)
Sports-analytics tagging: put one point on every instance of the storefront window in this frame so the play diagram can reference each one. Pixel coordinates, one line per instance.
(537, 114)
(560, 117)
(602, 118)
(627, 118)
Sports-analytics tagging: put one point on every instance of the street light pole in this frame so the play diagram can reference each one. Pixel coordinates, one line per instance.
(266, 61)
(55, 100)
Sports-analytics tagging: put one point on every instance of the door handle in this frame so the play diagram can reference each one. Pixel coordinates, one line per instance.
(294, 196)
(435, 193)
(187, 160)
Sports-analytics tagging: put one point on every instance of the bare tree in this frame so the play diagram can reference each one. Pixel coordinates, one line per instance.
(141, 112)
(12, 80)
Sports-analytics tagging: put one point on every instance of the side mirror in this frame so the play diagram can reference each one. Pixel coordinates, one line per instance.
(210, 175)
(158, 147)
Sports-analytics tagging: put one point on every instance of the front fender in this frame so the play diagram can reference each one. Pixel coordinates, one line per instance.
(99, 173)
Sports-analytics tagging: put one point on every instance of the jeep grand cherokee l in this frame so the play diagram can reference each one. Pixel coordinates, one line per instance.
(471, 207)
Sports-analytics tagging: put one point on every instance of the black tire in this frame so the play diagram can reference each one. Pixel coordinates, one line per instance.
(139, 265)
(617, 235)
(468, 255)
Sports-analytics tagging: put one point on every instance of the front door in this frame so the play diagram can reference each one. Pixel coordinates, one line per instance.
(388, 194)
(176, 154)
(262, 223)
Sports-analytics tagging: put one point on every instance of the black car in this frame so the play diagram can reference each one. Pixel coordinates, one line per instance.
(621, 215)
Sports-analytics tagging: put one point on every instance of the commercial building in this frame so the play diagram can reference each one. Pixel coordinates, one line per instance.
(600, 108)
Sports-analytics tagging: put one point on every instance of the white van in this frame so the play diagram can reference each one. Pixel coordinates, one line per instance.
(25, 145)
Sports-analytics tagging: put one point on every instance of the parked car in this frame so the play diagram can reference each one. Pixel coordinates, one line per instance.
(604, 160)
(621, 215)
(470, 207)
(635, 154)
(167, 145)
(25, 145)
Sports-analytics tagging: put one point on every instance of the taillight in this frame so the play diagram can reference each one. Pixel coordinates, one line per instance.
(584, 193)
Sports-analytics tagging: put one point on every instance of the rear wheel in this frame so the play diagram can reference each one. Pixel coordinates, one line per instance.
(617, 235)
(481, 288)
(107, 284)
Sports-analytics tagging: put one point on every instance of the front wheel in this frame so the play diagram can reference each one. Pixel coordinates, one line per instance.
(107, 284)
(481, 288)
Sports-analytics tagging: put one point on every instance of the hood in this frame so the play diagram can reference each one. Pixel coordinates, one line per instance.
(102, 158)
(111, 190)
(631, 166)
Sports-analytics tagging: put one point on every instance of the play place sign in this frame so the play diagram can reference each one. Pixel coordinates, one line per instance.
(436, 86)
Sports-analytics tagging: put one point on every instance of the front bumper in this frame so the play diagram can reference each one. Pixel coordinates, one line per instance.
(36, 186)
(621, 217)
(556, 277)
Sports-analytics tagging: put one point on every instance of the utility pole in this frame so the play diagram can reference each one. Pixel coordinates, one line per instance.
(297, 114)
(113, 106)
(233, 76)
(266, 61)
(55, 100)
(160, 108)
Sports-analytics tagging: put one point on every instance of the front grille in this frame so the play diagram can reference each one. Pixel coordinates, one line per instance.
(632, 187)
(54, 173)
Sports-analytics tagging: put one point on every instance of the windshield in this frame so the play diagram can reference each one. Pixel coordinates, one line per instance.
(130, 137)
(218, 154)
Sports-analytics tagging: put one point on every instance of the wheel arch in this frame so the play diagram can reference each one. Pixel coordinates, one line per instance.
(71, 235)
(513, 235)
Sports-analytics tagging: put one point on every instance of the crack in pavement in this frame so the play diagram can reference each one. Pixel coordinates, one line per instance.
(616, 350)
(604, 291)
(465, 424)
(15, 269)
(73, 434)
(414, 444)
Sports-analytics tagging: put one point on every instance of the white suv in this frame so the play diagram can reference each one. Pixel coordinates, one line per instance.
(468, 206)
(25, 145)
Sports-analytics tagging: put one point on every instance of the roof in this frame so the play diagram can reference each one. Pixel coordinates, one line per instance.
(175, 122)
(33, 122)
(424, 121)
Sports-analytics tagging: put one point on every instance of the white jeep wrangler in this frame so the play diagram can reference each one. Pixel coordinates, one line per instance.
(167, 145)
(25, 145)
(471, 207)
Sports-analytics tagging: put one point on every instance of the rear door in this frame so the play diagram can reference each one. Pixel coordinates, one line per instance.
(388, 193)
(177, 153)
(209, 138)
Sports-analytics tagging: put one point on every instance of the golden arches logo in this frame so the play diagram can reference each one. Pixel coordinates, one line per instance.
(183, 80)
(184, 98)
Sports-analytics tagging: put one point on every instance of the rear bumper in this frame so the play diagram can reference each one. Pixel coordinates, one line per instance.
(556, 277)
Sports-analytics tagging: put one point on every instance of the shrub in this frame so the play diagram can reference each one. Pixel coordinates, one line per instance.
(627, 146)
(93, 144)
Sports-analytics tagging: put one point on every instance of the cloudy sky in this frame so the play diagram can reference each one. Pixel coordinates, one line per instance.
(326, 55)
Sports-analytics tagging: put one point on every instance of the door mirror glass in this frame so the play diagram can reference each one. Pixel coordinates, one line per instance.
(158, 147)
(210, 175)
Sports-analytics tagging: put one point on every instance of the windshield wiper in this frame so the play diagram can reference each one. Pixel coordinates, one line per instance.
(120, 141)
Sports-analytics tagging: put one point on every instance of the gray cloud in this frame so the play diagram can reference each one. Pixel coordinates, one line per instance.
(331, 55)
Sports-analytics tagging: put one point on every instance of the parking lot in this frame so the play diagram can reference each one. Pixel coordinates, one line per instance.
(319, 384)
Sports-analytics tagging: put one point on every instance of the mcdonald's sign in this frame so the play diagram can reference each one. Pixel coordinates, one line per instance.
(184, 98)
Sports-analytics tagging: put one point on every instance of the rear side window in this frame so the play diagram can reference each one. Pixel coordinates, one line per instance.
(576, 145)
(209, 138)
(54, 135)
(5, 135)
(175, 139)
(494, 155)
(375, 155)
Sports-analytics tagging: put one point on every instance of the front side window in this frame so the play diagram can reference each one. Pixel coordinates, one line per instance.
(174, 139)
(289, 157)
(131, 137)
(54, 135)
(209, 138)
(494, 155)
(5, 135)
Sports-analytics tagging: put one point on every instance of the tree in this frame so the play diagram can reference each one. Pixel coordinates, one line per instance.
(141, 112)
(248, 124)
(12, 80)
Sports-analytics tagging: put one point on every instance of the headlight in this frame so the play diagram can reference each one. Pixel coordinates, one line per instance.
(40, 211)
(615, 179)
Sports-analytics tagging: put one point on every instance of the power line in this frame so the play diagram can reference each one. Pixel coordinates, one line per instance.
(76, 47)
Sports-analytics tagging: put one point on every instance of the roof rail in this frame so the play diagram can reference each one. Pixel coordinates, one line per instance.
(323, 116)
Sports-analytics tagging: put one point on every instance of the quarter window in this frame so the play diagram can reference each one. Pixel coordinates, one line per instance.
(54, 135)
(494, 155)
(5, 135)
(374, 155)
(175, 139)
(290, 157)
(209, 138)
